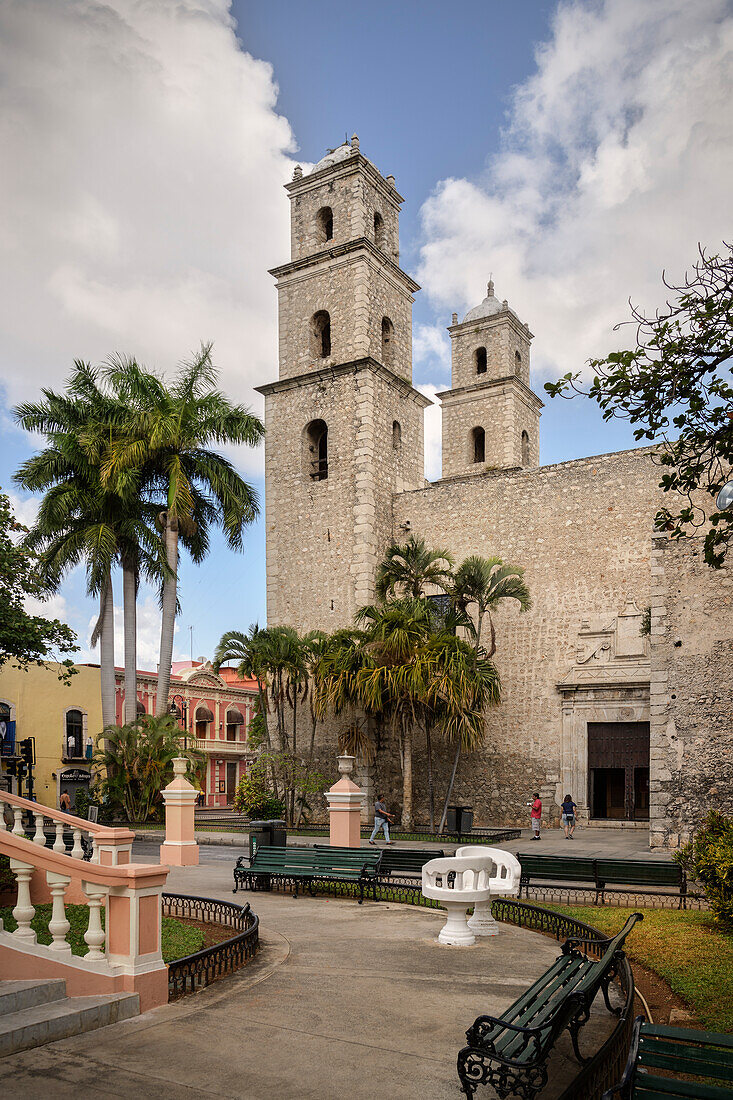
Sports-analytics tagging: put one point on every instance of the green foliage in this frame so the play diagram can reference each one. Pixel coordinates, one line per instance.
(254, 797)
(408, 569)
(27, 639)
(7, 878)
(677, 381)
(176, 939)
(137, 760)
(257, 730)
(685, 949)
(708, 859)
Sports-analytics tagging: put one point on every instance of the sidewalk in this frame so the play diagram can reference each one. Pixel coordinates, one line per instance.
(588, 841)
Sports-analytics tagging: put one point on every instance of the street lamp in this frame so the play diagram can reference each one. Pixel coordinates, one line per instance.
(181, 712)
(725, 497)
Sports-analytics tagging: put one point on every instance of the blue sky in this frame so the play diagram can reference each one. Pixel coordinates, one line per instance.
(574, 150)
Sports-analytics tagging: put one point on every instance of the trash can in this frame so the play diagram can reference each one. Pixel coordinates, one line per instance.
(452, 818)
(260, 833)
(459, 819)
(466, 823)
(278, 834)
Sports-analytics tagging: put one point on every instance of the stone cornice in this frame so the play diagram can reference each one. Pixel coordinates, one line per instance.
(509, 381)
(347, 167)
(362, 244)
(353, 367)
(492, 321)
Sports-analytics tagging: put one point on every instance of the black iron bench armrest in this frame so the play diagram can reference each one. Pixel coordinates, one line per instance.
(240, 862)
(571, 941)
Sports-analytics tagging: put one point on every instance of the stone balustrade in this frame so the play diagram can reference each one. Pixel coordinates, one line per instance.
(125, 954)
(109, 846)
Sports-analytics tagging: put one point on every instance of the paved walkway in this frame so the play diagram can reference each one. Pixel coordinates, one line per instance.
(616, 843)
(342, 1000)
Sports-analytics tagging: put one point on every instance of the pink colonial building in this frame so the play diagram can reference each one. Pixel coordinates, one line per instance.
(214, 709)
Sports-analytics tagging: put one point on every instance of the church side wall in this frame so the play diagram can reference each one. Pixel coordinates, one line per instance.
(691, 691)
(582, 532)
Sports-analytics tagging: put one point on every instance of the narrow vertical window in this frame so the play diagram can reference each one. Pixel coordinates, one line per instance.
(379, 231)
(478, 439)
(324, 224)
(525, 449)
(518, 360)
(316, 450)
(396, 436)
(321, 335)
(480, 360)
(387, 342)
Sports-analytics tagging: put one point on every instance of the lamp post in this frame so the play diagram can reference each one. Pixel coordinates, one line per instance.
(181, 712)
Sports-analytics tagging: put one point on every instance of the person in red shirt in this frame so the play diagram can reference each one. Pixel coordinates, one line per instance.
(536, 816)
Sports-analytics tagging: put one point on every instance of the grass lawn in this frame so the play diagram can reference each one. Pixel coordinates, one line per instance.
(177, 939)
(683, 948)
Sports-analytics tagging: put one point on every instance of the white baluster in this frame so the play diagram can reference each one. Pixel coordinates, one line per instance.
(77, 852)
(24, 911)
(39, 837)
(95, 851)
(58, 926)
(94, 934)
(58, 844)
(18, 827)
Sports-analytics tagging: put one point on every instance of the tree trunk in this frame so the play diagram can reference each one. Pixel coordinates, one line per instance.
(431, 788)
(407, 780)
(129, 594)
(107, 652)
(449, 792)
(168, 621)
(309, 765)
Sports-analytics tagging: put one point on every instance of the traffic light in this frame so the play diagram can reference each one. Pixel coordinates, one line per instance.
(28, 750)
(11, 767)
(22, 769)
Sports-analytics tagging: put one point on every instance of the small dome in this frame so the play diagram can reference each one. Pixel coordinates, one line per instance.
(343, 152)
(488, 307)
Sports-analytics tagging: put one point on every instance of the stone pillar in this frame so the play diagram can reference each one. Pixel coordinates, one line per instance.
(344, 808)
(180, 848)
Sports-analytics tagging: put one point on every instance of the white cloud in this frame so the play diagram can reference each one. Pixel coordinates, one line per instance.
(431, 349)
(616, 161)
(148, 635)
(25, 509)
(143, 161)
(433, 427)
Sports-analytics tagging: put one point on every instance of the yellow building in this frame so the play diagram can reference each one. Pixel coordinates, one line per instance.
(63, 718)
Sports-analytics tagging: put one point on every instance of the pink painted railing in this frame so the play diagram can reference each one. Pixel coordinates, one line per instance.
(125, 955)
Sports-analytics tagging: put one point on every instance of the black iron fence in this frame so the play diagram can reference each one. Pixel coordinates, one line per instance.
(196, 971)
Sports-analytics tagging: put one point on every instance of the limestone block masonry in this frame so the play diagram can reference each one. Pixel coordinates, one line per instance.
(344, 477)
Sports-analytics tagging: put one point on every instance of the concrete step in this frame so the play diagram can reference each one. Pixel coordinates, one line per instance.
(47, 1023)
(15, 996)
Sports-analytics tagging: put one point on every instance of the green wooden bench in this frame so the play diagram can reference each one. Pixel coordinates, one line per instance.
(509, 1052)
(700, 1064)
(404, 862)
(601, 873)
(305, 866)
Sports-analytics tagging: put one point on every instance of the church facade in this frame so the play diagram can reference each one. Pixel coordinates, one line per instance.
(591, 706)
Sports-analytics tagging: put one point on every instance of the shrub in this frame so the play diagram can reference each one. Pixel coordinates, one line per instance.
(7, 878)
(255, 799)
(709, 860)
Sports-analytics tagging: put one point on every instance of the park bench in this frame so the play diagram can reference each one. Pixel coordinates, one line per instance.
(401, 862)
(601, 873)
(509, 1052)
(699, 1064)
(306, 866)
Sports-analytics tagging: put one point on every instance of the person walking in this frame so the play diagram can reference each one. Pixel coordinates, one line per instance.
(536, 816)
(568, 816)
(381, 820)
(65, 802)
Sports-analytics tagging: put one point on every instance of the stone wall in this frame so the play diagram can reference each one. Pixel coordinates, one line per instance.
(504, 409)
(582, 532)
(503, 335)
(691, 690)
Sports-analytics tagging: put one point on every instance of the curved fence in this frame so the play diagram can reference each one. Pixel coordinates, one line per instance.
(196, 971)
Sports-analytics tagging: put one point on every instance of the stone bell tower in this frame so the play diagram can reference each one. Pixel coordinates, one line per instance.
(491, 418)
(344, 424)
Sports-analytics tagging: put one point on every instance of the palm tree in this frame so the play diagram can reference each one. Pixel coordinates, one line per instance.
(79, 519)
(394, 681)
(166, 443)
(481, 583)
(409, 569)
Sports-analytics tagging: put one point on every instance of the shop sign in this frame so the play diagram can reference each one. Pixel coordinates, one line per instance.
(74, 775)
